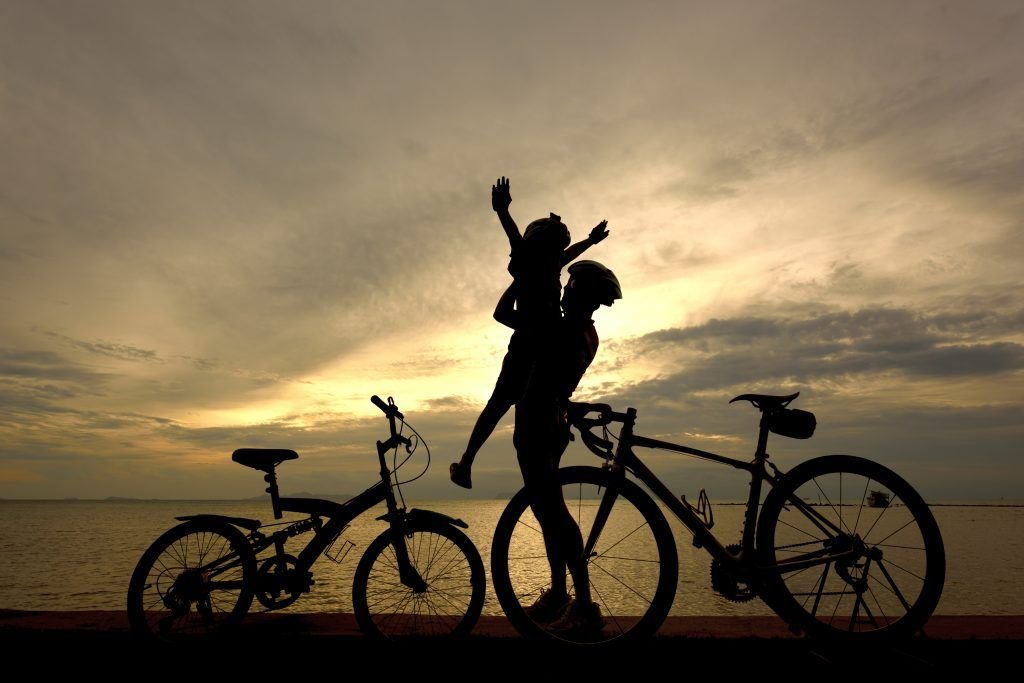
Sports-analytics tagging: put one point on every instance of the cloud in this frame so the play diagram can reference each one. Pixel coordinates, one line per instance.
(109, 349)
(45, 365)
(452, 403)
(214, 206)
(835, 345)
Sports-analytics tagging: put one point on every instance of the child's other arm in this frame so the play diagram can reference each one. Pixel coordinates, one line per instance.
(501, 197)
(505, 312)
(574, 251)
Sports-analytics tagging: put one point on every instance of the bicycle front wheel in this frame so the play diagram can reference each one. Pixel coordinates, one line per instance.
(850, 549)
(194, 580)
(633, 567)
(447, 603)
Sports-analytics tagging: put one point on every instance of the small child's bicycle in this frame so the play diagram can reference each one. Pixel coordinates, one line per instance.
(422, 576)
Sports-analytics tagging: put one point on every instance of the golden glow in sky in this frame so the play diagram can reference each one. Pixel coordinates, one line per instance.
(231, 224)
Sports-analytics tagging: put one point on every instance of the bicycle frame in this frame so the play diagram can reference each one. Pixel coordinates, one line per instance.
(624, 459)
(340, 515)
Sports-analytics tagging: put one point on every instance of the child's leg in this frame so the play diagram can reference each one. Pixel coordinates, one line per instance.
(461, 472)
(516, 369)
(492, 413)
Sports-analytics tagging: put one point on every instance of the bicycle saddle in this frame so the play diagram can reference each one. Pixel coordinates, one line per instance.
(264, 459)
(766, 402)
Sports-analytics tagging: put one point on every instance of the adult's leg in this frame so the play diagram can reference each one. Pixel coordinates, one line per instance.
(562, 538)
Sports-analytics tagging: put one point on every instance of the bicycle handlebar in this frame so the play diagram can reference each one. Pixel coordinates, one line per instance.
(578, 411)
(392, 412)
(594, 443)
(389, 409)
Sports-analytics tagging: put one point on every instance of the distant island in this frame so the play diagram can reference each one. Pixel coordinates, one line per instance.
(336, 497)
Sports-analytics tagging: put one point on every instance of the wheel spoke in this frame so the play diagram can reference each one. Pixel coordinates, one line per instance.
(632, 570)
(531, 528)
(882, 542)
(388, 607)
(610, 612)
(622, 539)
(860, 507)
(819, 606)
(602, 556)
(803, 531)
(829, 503)
(622, 583)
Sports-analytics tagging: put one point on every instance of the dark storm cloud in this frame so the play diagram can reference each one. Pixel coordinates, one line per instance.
(759, 350)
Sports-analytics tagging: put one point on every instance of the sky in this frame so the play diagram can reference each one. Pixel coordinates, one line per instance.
(227, 224)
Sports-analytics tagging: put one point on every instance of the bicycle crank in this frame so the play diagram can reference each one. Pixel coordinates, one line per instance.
(279, 582)
(729, 582)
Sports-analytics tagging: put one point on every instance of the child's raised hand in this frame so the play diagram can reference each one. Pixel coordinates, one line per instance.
(599, 232)
(501, 195)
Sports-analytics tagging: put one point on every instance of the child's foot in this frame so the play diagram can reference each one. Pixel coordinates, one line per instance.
(460, 475)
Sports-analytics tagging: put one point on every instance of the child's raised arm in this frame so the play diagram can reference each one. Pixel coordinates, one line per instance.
(573, 252)
(501, 197)
(505, 312)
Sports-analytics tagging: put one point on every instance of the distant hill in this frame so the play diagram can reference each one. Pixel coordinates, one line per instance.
(336, 497)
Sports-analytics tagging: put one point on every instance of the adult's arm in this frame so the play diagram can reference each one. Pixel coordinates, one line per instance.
(505, 312)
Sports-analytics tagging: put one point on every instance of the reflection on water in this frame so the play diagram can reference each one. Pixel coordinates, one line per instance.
(80, 554)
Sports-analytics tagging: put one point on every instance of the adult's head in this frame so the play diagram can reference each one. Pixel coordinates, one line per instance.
(548, 232)
(590, 285)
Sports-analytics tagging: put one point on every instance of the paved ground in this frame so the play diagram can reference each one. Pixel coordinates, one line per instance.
(290, 643)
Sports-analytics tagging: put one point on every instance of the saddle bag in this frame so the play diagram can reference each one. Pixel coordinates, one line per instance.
(796, 424)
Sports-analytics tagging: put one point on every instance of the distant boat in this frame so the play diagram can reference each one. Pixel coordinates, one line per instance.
(878, 499)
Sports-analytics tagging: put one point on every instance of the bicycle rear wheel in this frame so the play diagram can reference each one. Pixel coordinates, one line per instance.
(448, 603)
(850, 550)
(195, 580)
(633, 567)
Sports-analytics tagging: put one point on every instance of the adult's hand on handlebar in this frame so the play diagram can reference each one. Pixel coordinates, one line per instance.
(578, 412)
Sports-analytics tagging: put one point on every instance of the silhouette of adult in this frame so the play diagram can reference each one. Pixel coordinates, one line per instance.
(536, 260)
(542, 433)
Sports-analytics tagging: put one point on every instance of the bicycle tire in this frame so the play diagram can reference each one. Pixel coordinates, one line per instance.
(454, 573)
(647, 558)
(196, 579)
(891, 581)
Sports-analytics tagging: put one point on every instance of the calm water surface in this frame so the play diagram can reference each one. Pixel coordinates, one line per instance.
(79, 555)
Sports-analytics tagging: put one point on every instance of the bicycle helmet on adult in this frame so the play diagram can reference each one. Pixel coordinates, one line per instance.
(550, 229)
(594, 281)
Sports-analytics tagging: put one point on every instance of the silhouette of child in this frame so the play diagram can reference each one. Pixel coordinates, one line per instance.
(535, 263)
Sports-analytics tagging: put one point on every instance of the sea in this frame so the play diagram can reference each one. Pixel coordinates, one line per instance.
(79, 555)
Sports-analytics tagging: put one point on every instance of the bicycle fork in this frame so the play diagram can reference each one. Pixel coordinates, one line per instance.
(407, 572)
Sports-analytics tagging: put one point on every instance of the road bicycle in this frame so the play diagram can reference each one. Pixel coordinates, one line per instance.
(840, 546)
(421, 576)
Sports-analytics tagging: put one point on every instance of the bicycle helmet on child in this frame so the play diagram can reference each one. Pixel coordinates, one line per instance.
(550, 229)
(594, 281)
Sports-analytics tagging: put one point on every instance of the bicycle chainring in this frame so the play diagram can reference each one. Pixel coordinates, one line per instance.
(279, 582)
(731, 584)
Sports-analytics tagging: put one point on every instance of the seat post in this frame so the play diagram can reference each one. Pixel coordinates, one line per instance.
(275, 500)
(762, 437)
